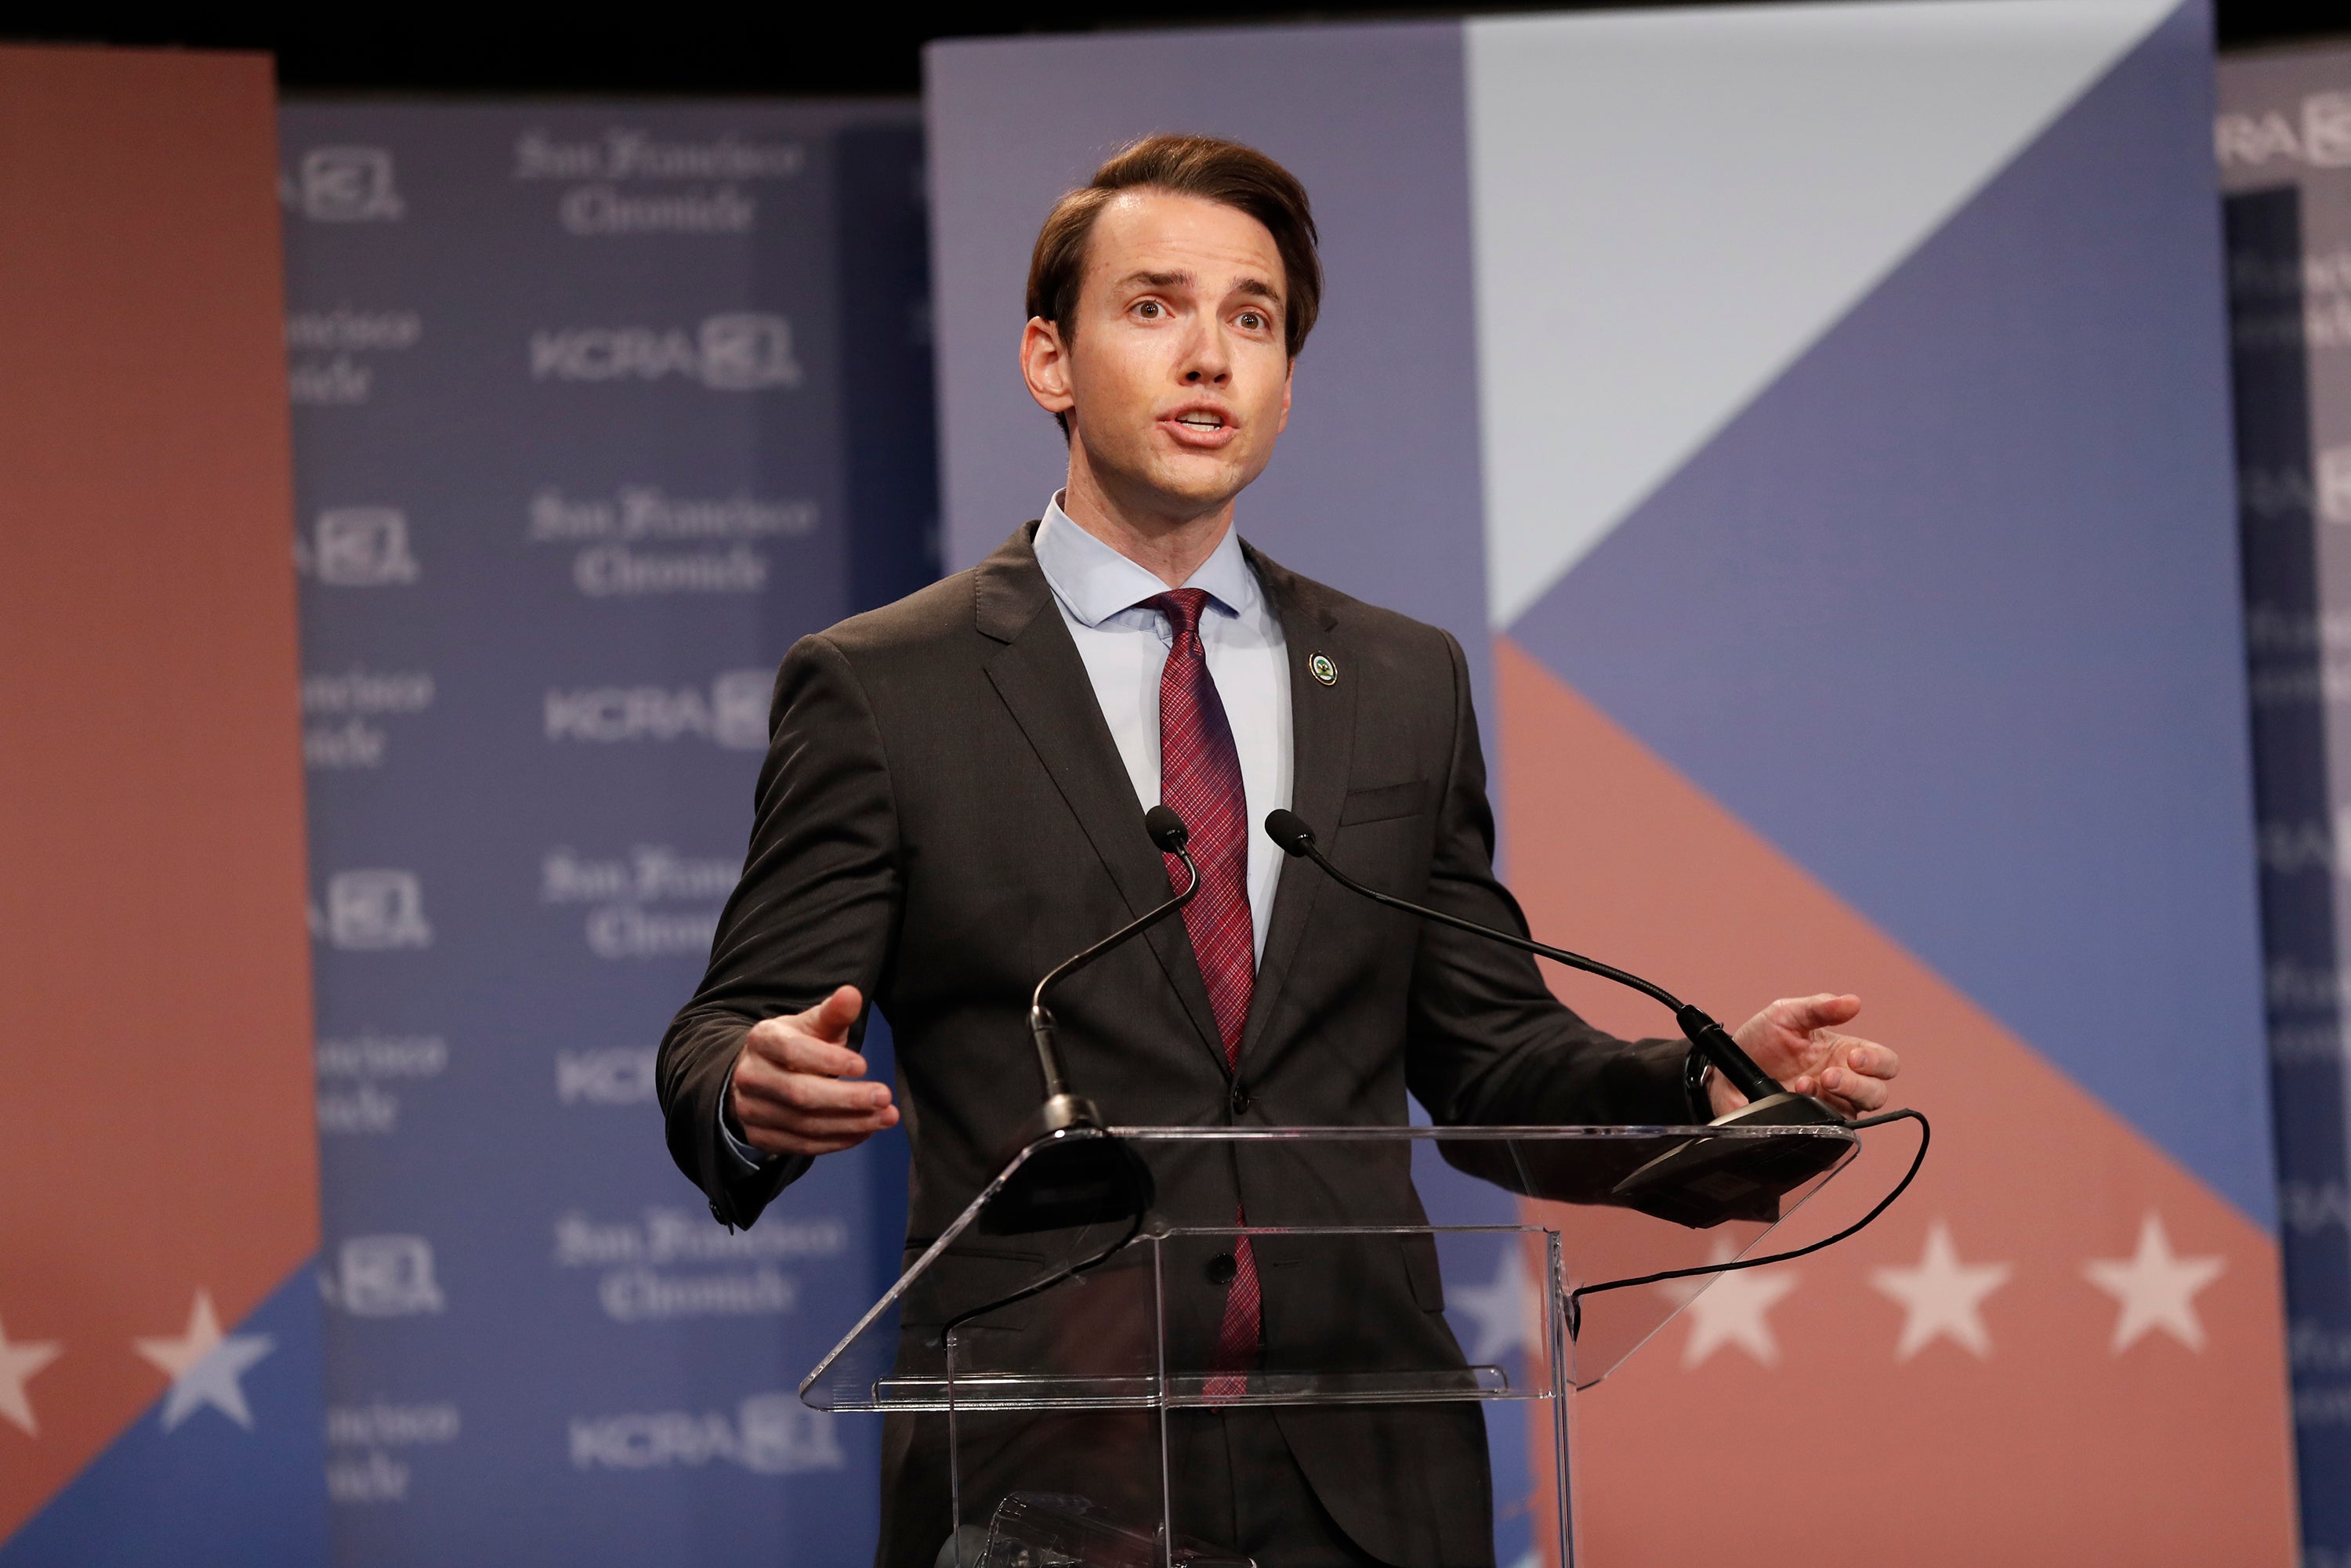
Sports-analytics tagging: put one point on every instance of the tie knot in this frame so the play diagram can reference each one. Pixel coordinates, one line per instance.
(1183, 607)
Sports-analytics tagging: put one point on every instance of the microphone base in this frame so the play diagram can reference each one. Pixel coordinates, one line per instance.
(1706, 1181)
(1071, 1173)
(1058, 1114)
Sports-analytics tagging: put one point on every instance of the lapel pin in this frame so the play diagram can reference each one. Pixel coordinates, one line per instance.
(1323, 670)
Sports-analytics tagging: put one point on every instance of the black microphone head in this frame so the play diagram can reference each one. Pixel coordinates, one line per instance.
(1289, 829)
(1166, 828)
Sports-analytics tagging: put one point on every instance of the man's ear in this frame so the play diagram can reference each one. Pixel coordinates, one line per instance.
(1045, 366)
(1288, 375)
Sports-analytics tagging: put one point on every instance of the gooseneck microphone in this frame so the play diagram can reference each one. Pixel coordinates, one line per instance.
(1062, 1107)
(1065, 1168)
(1290, 831)
(1697, 1183)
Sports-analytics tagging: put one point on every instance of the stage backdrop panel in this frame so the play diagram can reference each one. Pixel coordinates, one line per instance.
(597, 408)
(2284, 136)
(1850, 529)
(159, 1330)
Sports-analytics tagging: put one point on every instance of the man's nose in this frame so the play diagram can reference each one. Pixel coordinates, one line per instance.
(1208, 363)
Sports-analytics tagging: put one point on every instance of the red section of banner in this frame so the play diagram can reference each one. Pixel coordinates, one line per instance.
(2058, 1347)
(155, 1129)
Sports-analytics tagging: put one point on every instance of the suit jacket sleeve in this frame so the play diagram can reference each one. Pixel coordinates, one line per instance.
(1487, 1042)
(817, 907)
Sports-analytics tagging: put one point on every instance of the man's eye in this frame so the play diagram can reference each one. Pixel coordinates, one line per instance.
(1148, 308)
(1252, 321)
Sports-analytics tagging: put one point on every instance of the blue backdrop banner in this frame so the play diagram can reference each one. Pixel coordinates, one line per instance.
(597, 409)
(2284, 136)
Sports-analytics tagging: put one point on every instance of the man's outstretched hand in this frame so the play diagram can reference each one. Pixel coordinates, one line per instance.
(1797, 1039)
(799, 1090)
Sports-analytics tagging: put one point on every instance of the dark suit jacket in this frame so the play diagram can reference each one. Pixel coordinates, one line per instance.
(944, 815)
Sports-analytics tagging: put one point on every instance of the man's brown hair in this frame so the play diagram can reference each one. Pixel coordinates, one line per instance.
(1204, 166)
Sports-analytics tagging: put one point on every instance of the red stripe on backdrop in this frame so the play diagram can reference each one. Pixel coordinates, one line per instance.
(1782, 1421)
(156, 1125)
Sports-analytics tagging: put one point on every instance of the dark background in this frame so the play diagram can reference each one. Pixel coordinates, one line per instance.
(707, 49)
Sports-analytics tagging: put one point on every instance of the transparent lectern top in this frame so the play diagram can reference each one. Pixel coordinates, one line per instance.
(1089, 1273)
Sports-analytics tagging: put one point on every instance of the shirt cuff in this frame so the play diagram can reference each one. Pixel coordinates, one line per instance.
(749, 1158)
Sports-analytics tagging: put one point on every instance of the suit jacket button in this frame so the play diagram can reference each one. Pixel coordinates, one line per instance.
(1240, 1100)
(1221, 1269)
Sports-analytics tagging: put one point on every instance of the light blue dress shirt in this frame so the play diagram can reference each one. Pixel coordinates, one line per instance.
(1100, 594)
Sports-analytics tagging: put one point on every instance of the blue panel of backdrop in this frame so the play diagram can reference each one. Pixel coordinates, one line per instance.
(581, 452)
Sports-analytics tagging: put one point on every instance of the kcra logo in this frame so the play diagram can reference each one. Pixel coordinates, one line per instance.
(740, 351)
(771, 1434)
(344, 185)
(358, 547)
(373, 910)
(733, 714)
(384, 1277)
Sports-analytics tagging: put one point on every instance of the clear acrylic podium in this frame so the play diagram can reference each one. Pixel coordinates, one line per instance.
(1068, 1345)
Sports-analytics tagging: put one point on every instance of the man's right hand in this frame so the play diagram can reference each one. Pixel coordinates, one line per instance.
(798, 1088)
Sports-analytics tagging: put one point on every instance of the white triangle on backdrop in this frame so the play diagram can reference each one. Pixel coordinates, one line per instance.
(1669, 207)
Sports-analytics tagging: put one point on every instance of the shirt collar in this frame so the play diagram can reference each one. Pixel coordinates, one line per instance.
(1096, 583)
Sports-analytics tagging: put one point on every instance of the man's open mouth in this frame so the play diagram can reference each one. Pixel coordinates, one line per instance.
(1204, 427)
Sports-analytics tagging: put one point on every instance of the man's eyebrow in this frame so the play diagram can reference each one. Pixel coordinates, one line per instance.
(1255, 287)
(1258, 288)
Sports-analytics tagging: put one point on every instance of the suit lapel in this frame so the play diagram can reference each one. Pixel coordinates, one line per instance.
(1044, 683)
(1322, 745)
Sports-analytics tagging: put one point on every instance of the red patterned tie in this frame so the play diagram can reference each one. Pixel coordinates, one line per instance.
(1200, 778)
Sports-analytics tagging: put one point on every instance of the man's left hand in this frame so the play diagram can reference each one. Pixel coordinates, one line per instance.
(1798, 1040)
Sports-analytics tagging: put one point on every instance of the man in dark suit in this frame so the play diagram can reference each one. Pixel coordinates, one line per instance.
(953, 803)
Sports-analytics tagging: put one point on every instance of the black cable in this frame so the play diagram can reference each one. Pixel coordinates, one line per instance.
(1926, 1136)
(1072, 1273)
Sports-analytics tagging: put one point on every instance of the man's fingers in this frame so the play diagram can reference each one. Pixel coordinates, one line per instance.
(805, 1053)
(807, 1091)
(787, 1043)
(830, 1018)
(757, 1114)
(1868, 1057)
(1805, 1014)
(1857, 1091)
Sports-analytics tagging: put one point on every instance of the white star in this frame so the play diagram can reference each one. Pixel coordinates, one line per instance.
(2156, 1288)
(1507, 1310)
(1728, 1309)
(1942, 1296)
(18, 1362)
(205, 1366)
